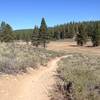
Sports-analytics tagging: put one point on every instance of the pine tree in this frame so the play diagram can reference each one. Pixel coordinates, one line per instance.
(3, 24)
(96, 35)
(56, 33)
(81, 37)
(43, 33)
(35, 37)
(6, 34)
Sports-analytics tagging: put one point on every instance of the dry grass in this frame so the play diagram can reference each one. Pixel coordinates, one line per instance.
(16, 58)
(83, 72)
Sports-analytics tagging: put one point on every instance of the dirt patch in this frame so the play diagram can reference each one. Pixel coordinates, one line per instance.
(70, 46)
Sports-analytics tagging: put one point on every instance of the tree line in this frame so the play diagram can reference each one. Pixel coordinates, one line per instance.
(80, 31)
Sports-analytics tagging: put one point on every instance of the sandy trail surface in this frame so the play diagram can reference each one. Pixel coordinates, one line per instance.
(31, 86)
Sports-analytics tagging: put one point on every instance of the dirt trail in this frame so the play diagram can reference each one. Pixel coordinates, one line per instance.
(32, 86)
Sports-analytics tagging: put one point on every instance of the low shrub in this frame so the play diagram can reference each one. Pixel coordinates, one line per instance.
(16, 58)
(79, 78)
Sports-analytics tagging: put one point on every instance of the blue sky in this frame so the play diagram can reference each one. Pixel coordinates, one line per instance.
(21, 14)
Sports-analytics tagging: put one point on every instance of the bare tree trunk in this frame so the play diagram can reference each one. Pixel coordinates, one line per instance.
(44, 44)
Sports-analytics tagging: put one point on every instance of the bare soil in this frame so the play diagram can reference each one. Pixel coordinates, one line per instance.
(71, 47)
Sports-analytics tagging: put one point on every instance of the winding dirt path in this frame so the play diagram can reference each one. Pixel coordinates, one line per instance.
(32, 86)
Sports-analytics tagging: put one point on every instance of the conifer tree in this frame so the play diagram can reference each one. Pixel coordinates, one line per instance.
(96, 35)
(35, 37)
(6, 34)
(43, 33)
(81, 37)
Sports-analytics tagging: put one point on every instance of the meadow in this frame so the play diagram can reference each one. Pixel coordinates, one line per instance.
(78, 78)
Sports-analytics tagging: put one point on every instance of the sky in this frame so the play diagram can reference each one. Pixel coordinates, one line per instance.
(24, 14)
